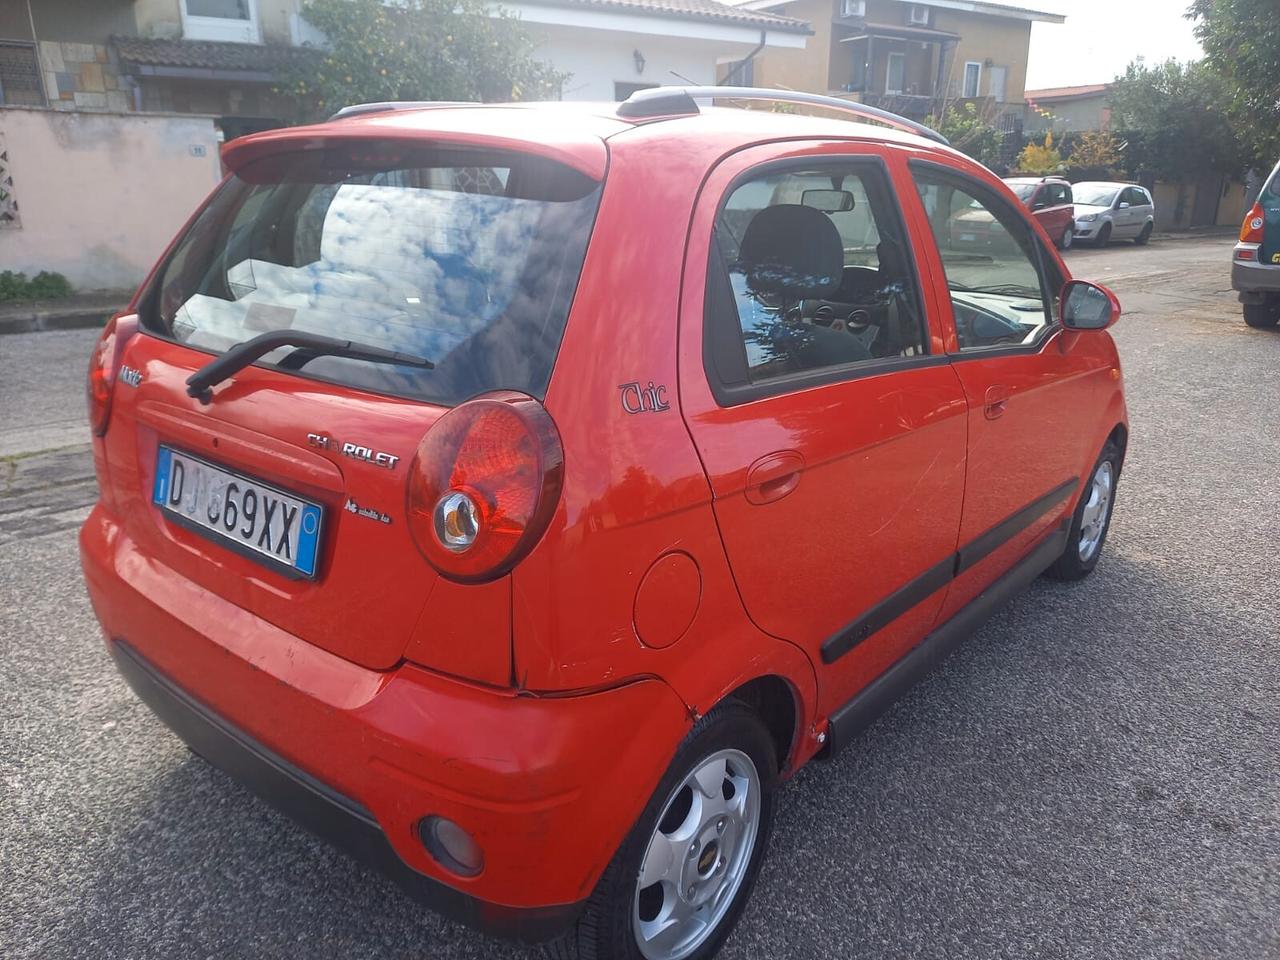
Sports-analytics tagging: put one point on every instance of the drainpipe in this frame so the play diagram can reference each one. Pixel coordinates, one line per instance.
(732, 75)
(35, 42)
(942, 81)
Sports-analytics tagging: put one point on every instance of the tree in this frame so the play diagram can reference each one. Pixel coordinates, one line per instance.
(1241, 40)
(1174, 117)
(1040, 158)
(418, 50)
(969, 132)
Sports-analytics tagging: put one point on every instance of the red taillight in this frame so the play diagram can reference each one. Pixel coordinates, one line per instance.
(1253, 228)
(104, 364)
(484, 484)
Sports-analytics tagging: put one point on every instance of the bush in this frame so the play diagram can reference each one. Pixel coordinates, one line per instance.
(43, 286)
(1095, 149)
(1040, 159)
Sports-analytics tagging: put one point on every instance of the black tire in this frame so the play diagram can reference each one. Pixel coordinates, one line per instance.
(1142, 238)
(1263, 315)
(1104, 236)
(1071, 566)
(605, 929)
(1065, 238)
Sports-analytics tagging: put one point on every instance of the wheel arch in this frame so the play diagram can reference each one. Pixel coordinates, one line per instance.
(1119, 435)
(779, 705)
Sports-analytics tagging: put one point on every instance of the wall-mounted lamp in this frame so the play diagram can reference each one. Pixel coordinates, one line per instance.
(638, 57)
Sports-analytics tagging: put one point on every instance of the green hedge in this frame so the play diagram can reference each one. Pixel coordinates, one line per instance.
(43, 286)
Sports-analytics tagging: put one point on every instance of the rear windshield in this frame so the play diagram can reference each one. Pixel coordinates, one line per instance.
(468, 259)
(1023, 191)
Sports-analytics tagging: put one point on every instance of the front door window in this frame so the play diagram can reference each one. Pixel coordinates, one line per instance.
(993, 266)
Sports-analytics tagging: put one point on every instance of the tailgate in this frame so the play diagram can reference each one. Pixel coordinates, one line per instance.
(279, 433)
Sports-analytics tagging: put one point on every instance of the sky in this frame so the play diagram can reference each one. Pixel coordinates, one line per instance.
(1101, 37)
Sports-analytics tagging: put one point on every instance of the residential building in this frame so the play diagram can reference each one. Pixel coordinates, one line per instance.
(1067, 109)
(224, 58)
(907, 57)
(614, 47)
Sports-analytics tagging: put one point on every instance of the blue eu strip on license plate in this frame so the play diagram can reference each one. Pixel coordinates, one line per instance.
(258, 519)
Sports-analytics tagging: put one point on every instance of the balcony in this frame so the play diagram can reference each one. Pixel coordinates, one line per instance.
(890, 66)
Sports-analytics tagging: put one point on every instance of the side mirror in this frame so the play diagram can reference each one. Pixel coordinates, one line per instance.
(1124, 204)
(1088, 306)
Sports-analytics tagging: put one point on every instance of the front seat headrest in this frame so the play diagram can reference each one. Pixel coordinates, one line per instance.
(792, 251)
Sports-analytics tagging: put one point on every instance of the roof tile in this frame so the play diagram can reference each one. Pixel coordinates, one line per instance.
(707, 10)
(209, 54)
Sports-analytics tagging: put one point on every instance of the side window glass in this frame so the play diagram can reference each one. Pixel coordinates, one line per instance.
(992, 260)
(811, 270)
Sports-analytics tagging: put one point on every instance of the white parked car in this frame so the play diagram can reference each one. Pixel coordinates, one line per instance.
(1113, 211)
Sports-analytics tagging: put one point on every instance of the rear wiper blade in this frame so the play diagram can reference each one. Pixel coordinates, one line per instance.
(201, 383)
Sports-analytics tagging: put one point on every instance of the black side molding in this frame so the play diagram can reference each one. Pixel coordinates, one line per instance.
(321, 809)
(889, 609)
(938, 576)
(851, 719)
(984, 545)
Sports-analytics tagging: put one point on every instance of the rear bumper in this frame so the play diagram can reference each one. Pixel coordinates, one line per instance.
(548, 786)
(319, 808)
(1251, 278)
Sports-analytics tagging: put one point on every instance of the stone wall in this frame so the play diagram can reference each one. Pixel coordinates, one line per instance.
(84, 76)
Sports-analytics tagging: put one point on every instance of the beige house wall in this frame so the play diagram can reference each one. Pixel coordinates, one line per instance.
(85, 22)
(1004, 42)
(805, 69)
(825, 65)
(1077, 114)
(100, 195)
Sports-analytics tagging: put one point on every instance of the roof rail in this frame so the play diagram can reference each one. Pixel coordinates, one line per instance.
(360, 109)
(683, 101)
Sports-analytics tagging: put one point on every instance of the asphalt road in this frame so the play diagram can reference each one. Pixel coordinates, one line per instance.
(1096, 774)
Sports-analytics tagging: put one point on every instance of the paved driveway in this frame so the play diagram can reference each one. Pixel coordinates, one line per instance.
(1095, 775)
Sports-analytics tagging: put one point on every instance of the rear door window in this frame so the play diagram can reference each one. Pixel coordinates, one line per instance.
(810, 273)
(466, 258)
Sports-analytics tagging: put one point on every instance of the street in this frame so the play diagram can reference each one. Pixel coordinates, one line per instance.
(1095, 774)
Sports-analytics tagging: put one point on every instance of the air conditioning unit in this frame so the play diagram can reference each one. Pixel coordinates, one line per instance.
(853, 8)
(918, 15)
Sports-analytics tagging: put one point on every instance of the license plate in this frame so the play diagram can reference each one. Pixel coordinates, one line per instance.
(968, 237)
(247, 515)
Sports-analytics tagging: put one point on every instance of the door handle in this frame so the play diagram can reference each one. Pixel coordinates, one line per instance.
(995, 402)
(774, 476)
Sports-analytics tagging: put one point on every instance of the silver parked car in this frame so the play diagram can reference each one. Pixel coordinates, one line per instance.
(1113, 211)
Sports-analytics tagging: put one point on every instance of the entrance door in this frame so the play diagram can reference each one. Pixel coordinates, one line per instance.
(831, 428)
(999, 83)
(895, 74)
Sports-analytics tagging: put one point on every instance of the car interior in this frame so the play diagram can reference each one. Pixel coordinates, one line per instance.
(814, 282)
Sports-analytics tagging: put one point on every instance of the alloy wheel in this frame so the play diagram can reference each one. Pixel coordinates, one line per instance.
(698, 856)
(1097, 508)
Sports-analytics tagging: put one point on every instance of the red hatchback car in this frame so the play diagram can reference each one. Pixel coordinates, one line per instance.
(517, 494)
(1050, 201)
